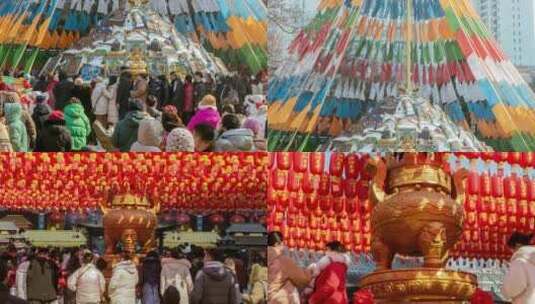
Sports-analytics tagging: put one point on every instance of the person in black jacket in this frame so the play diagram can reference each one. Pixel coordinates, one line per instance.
(63, 91)
(123, 92)
(5, 297)
(176, 92)
(40, 113)
(55, 136)
(159, 87)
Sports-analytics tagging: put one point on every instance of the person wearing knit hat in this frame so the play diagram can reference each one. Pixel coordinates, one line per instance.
(149, 136)
(17, 130)
(126, 131)
(233, 137)
(255, 126)
(54, 137)
(77, 123)
(180, 140)
(206, 114)
(170, 121)
(40, 112)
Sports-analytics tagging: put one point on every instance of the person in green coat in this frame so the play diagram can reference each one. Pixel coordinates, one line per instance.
(77, 123)
(16, 128)
(125, 133)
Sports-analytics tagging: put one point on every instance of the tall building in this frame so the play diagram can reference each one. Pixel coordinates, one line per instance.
(512, 22)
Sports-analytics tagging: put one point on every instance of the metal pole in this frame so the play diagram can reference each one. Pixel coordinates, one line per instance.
(408, 47)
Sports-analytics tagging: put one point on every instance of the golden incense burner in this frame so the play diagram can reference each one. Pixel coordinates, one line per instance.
(131, 221)
(418, 211)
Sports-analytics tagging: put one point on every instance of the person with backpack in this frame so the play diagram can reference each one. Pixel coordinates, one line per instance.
(42, 279)
(215, 283)
(87, 282)
(175, 274)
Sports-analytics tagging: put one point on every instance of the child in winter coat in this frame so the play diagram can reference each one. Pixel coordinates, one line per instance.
(17, 130)
(77, 123)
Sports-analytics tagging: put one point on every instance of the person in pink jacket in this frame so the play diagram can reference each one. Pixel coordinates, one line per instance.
(206, 114)
(519, 282)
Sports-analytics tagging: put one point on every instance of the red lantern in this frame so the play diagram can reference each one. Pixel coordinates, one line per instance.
(182, 219)
(294, 181)
(485, 184)
(237, 219)
(473, 183)
(271, 160)
(336, 166)
(168, 217)
(300, 162)
(308, 183)
(337, 188)
(530, 183)
(56, 217)
(324, 184)
(284, 161)
(509, 189)
(353, 166)
(216, 219)
(350, 188)
(497, 186)
(278, 179)
(316, 162)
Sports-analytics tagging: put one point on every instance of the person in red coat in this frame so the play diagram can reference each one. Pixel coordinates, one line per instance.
(329, 287)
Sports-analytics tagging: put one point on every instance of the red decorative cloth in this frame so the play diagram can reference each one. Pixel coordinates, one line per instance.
(363, 296)
(481, 297)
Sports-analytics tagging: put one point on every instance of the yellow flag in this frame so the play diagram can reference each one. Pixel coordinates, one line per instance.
(13, 33)
(30, 30)
(41, 34)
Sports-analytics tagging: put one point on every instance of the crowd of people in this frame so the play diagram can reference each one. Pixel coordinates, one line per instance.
(133, 113)
(325, 281)
(186, 274)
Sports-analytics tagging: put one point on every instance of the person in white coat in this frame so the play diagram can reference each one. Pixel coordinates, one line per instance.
(103, 101)
(176, 273)
(519, 281)
(122, 288)
(87, 282)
